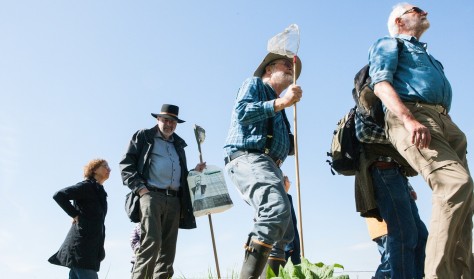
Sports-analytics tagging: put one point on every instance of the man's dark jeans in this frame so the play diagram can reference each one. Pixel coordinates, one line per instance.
(407, 234)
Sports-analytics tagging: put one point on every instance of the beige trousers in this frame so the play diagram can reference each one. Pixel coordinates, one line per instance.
(444, 167)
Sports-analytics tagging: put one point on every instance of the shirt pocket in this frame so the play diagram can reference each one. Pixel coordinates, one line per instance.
(417, 56)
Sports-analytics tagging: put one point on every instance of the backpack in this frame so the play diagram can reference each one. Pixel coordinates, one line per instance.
(368, 104)
(345, 148)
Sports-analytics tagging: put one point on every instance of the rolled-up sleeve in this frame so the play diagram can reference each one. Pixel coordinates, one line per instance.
(383, 60)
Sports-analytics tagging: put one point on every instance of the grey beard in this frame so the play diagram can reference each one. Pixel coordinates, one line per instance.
(419, 26)
(281, 77)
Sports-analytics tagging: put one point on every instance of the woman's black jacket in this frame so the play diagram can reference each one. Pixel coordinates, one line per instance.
(84, 244)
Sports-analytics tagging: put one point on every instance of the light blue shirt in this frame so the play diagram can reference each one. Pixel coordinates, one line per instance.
(165, 170)
(415, 74)
(248, 128)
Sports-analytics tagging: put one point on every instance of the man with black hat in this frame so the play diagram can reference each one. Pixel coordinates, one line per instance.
(257, 144)
(154, 167)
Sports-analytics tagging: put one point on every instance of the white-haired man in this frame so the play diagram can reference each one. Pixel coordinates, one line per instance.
(417, 97)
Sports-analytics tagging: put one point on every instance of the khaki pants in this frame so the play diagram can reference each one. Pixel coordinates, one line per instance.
(159, 234)
(444, 167)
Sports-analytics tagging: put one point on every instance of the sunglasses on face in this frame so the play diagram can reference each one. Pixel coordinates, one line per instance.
(413, 10)
(286, 63)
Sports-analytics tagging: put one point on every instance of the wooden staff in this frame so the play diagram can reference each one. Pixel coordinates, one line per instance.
(200, 135)
(297, 167)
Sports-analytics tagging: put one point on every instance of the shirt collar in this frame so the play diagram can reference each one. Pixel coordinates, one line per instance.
(159, 135)
(411, 39)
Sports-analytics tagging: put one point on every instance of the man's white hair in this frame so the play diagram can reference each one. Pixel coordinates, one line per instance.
(397, 11)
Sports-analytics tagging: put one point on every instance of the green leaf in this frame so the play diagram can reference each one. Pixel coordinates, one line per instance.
(339, 265)
(307, 270)
(270, 273)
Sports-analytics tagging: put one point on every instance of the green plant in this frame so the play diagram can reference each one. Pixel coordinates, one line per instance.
(307, 270)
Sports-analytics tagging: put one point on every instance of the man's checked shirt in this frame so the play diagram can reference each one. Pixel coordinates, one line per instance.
(367, 131)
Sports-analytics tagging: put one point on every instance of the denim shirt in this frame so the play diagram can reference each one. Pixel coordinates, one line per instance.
(249, 121)
(415, 74)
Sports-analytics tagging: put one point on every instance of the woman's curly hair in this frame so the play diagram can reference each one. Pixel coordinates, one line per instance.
(90, 168)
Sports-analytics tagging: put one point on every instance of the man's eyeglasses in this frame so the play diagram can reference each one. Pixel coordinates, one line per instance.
(287, 63)
(413, 10)
(167, 120)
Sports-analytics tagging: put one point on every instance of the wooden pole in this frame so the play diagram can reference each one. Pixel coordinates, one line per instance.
(214, 246)
(208, 215)
(297, 167)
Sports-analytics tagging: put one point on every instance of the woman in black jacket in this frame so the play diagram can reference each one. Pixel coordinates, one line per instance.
(83, 249)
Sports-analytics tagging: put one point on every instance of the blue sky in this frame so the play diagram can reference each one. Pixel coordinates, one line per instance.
(78, 78)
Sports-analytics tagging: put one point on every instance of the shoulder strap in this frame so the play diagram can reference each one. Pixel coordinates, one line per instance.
(399, 45)
(268, 142)
(287, 123)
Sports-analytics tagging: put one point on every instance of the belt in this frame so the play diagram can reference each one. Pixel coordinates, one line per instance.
(385, 165)
(168, 192)
(438, 108)
(239, 153)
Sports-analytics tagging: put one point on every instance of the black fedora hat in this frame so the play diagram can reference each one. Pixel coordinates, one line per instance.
(169, 111)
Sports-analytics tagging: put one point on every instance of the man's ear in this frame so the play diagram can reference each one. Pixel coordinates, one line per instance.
(268, 69)
(398, 22)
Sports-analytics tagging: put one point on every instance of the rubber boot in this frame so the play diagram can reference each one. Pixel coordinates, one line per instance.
(274, 264)
(256, 255)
